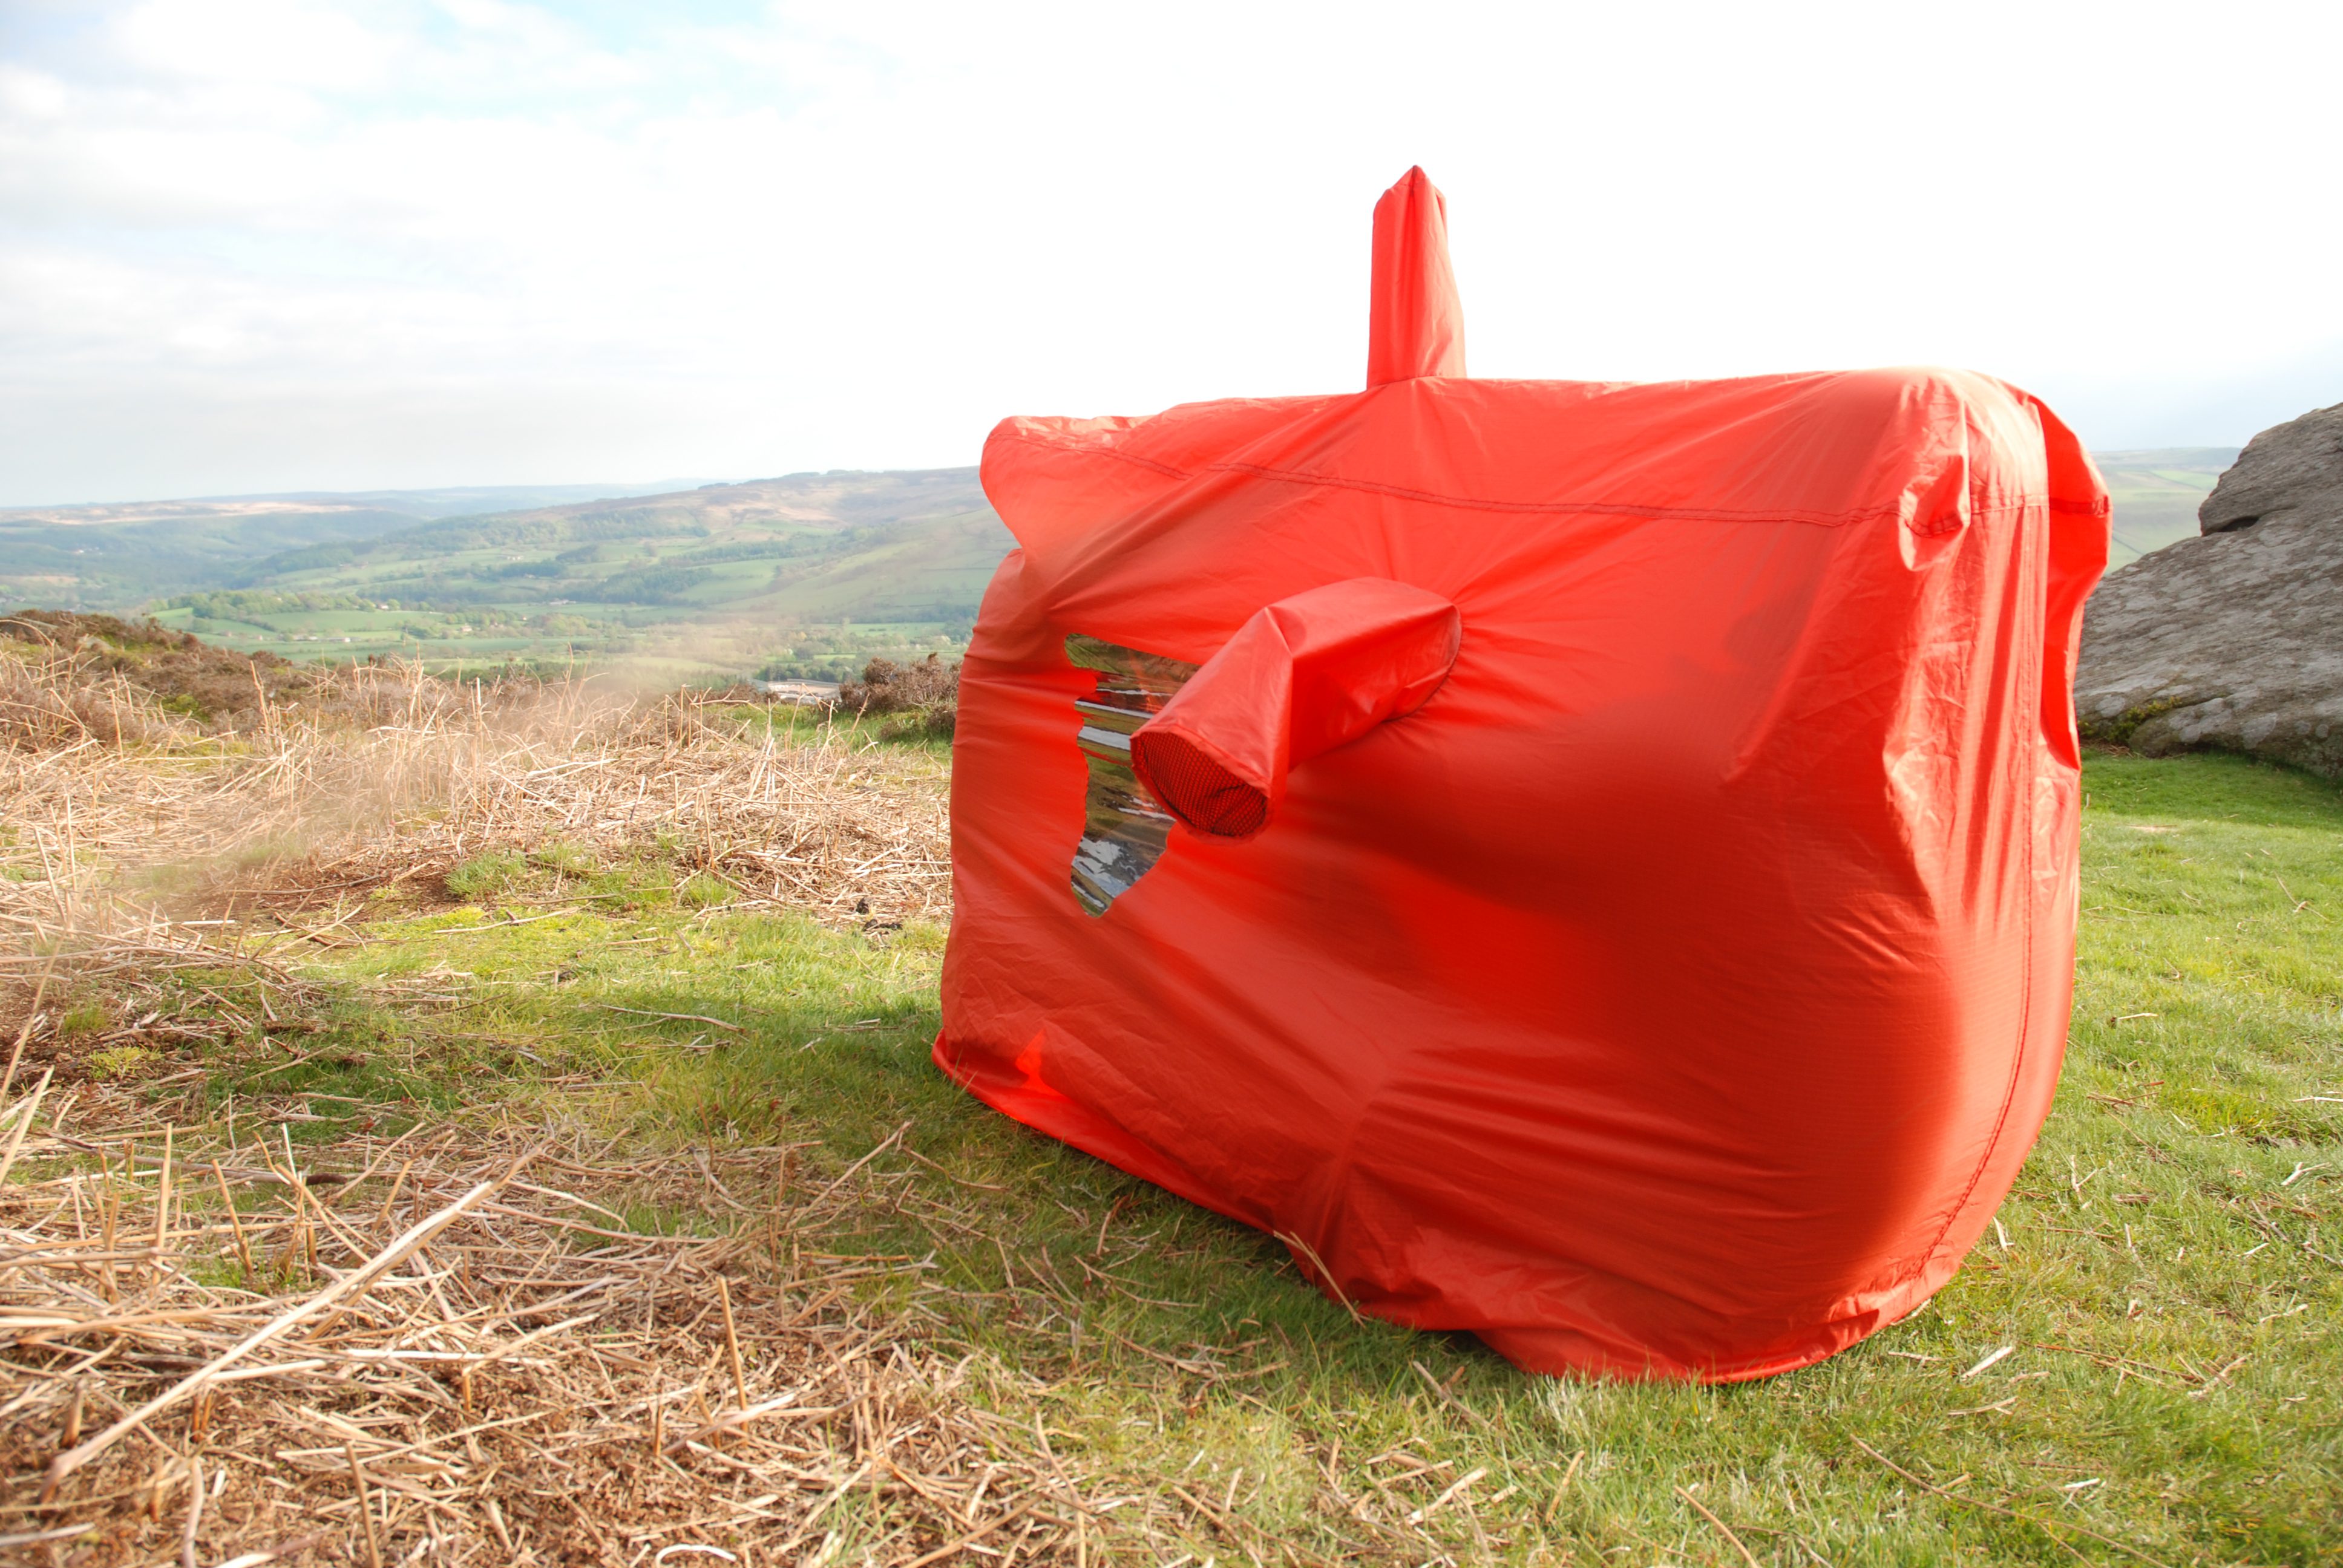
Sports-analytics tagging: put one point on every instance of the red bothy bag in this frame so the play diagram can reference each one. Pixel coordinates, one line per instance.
(1589, 863)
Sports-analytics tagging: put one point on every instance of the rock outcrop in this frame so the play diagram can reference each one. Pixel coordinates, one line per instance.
(2290, 472)
(2234, 639)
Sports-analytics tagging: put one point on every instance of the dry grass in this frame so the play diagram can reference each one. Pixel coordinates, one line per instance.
(453, 1344)
(387, 774)
(2137, 1367)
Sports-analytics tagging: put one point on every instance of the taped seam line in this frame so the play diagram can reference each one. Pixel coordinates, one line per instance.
(1569, 508)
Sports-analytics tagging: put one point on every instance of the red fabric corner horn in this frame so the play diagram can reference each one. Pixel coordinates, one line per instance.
(1301, 676)
(1415, 322)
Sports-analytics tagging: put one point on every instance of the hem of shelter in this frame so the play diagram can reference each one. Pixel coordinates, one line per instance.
(1565, 1352)
(1544, 1352)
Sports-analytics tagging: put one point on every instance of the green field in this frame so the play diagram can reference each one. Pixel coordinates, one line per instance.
(2156, 494)
(809, 575)
(2140, 1364)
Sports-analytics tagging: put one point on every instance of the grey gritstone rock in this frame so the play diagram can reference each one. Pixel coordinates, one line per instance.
(2233, 640)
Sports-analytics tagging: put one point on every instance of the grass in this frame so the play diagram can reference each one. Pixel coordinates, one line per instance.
(2161, 1288)
(2165, 1274)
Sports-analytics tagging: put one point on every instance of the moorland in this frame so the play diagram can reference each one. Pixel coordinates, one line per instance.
(493, 1123)
(809, 576)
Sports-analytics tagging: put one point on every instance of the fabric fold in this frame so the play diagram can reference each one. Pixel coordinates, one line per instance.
(1305, 675)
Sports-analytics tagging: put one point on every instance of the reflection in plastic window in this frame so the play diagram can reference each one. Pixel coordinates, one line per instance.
(1124, 828)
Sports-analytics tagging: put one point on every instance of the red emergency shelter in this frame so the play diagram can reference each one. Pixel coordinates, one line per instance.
(1589, 863)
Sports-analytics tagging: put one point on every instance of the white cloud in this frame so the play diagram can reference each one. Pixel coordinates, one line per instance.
(751, 240)
(216, 43)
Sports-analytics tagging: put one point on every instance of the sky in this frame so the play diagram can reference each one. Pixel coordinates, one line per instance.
(254, 246)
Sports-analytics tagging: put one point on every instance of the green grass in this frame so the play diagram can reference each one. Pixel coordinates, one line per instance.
(485, 876)
(813, 726)
(2172, 1235)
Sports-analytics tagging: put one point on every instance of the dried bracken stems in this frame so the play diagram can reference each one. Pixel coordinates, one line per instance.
(454, 1346)
(283, 1322)
(485, 1365)
(385, 776)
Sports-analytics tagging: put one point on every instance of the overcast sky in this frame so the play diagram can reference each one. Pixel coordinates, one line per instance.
(266, 245)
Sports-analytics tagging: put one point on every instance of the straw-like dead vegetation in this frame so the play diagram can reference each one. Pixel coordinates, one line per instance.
(992, 1348)
(452, 1347)
(78, 676)
(365, 777)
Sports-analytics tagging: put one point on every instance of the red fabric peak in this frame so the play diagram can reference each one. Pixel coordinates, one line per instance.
(1415, 322)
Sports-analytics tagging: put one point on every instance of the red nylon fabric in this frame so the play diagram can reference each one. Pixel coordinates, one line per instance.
(1199, 789)
(1677, 990)
(1304, 675)
(1415, 322)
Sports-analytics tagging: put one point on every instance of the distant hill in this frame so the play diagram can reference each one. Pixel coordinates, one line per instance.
(111, 556)
(887, 547)
(2156, 495)
(806, 575)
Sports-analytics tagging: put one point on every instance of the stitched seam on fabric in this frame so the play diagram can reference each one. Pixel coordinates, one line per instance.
(2101, 507)
(1614, 508)
(1602, 509)
(1082, 451)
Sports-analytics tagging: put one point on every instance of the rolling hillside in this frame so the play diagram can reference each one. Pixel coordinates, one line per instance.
(2156, 495)
(116, 556)
(808, 575)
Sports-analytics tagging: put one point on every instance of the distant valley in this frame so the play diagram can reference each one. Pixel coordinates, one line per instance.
(805, 576)
(2156, 494)
(809, 575)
